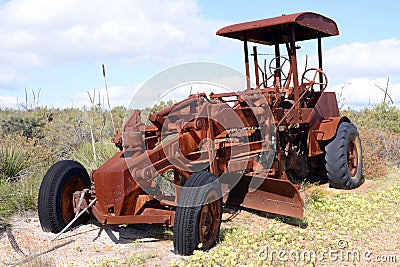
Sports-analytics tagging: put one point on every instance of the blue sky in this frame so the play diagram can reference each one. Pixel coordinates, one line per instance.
(58, 47)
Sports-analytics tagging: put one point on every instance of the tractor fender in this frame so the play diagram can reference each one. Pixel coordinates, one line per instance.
(328, 127)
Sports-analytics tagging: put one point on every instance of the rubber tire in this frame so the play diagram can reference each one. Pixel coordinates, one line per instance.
(51, 215)
(186, 236)
(336, 158)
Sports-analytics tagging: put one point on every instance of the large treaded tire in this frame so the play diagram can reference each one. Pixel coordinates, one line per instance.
(199, 207)
(344, 158)
(55, 201)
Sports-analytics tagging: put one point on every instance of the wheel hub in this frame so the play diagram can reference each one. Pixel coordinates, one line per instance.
(209, 221)
(352, 156)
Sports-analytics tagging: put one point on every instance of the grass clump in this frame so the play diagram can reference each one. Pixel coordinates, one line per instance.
(22, 165)
(19, 196)
(13, 160)
(84, 154)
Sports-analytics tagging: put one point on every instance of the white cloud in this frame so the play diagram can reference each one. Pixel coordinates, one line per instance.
(43, 31)
(359, 67)
(363, 92)
(8, 102)
(5, 76)
(372, 59)
(42, 35)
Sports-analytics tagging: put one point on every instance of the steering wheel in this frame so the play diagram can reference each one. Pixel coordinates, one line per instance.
(310, 78)
(284, 61)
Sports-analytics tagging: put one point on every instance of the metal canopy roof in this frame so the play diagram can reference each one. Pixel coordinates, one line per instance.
(307, 25)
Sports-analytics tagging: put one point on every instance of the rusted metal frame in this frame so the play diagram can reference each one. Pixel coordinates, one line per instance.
(291, 108)
(211, 144)
(264, 77)
(323, 120)
(278, 62)
(243, 149)
(226, 100)
(278, 153)
(237, 165)
(243, 153)
(141, 202)
(159, 161)
(150, 204)
(256, 66)
(266, 31)
(133, 120)
(184, 123)
(321, 77)
(162, 166)
(158, 216)
(152, 136)
(246, 61)
(158, 118)
(293, 63)
(238, 94)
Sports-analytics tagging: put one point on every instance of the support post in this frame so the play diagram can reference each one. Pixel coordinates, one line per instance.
(246, 61)
(256, 65)
(278, 62)
(321, 77)
(293, 64)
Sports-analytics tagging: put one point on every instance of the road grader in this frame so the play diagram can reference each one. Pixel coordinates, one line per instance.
(247, 148)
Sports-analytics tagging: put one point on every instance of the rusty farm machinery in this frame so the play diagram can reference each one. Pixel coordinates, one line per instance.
(240, 148)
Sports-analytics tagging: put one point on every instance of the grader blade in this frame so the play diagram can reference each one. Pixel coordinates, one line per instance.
(278, 196)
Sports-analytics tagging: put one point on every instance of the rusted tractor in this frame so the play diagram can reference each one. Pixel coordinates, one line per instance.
(241, 148)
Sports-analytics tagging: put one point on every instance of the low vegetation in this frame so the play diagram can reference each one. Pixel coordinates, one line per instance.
(379, 129)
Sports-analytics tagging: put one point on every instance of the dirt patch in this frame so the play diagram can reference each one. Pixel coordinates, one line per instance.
(92, 244)
(330, 190)
(151, 244)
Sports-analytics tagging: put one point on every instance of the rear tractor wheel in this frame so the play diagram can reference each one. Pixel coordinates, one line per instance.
(344, 158)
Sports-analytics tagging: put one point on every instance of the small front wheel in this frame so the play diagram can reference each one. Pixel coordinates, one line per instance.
(55, 201)
(198, 214)
(344, 158)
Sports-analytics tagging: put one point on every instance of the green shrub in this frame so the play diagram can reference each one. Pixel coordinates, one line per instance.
(26, 124)
(165, 182)
(22, 166)
(379, 130)
(382, 116)
(17, 196)
(84, 154)
(13, 160)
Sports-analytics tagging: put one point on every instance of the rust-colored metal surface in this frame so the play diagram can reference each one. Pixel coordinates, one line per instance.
(67, 201)
(210, 219)
(307, 25)
(251, 139)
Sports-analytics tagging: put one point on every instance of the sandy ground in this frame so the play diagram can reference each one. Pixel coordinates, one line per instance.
(89, 241)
